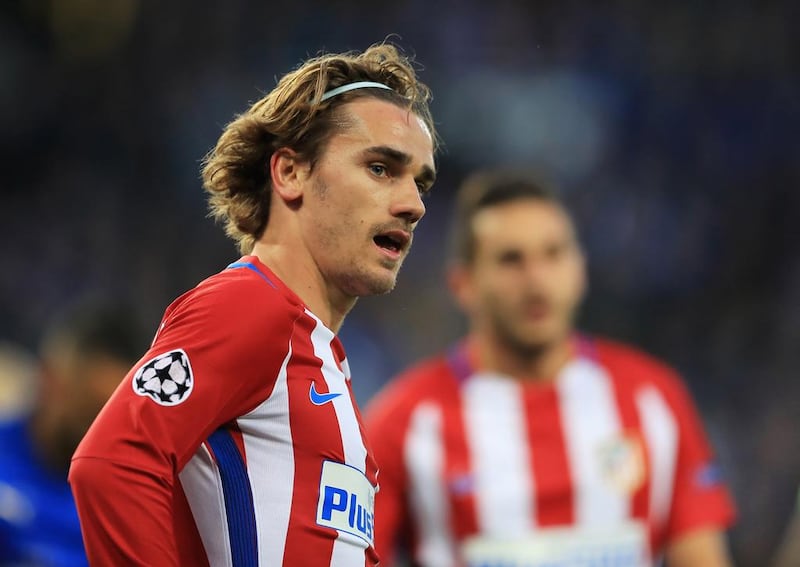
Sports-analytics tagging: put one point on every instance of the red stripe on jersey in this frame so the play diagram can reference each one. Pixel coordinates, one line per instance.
(238, 440)
(458, 477)
(458, 480)
(371, 466)
(549, 460)
(187, 538)
(306, 367)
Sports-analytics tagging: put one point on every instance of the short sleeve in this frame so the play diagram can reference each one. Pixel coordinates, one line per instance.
(700, 497)
(385, 424)
(215, 357)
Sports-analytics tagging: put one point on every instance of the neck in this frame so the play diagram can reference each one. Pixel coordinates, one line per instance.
(302, 276)
(540, 364)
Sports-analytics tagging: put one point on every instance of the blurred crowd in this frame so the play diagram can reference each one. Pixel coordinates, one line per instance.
(672, 131)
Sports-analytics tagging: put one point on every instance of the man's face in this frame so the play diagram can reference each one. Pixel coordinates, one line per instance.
(365, 197)
(528, 274)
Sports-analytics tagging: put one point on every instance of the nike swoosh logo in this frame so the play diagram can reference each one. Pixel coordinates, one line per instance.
(318, 399)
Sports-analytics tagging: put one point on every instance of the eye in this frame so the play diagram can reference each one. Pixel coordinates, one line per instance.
(509, 258)
(423, 188)
(378, 169)
(556, 250)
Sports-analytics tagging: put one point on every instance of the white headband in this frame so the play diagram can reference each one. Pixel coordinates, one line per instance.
(352, 86)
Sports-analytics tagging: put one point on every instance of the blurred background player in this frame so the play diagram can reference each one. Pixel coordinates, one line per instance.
(236, 440)
(788, 553)
(529, 443)
(84, 355)
(17, 380)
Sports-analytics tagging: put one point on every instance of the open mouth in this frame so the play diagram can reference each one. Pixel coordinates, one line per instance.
(394, 241)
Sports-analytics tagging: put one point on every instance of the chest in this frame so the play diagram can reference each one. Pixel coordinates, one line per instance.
(519, 459)
(548, 442)
(311, 410)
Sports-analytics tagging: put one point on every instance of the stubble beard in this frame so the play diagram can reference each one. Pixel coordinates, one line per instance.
(355, 278)
(360, 281)
(523, 349)
(524, 344)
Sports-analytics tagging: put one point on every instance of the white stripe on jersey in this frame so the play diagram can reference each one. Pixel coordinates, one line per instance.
(265, 431)
(355, 453)
(591, 421)
(200, 478)
(348, 550)
(261, 428)
(494, 418)
(424, 455)
(661, 433)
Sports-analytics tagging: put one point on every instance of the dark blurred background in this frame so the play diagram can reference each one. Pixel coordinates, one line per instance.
(672, 129)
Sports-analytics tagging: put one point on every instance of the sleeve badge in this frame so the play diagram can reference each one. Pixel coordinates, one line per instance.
(166, 379)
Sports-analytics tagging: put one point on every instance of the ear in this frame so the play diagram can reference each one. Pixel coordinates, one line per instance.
(288, 174)
(459, 280)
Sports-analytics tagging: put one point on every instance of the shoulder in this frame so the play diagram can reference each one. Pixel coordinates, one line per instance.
(431, 380)
(635, 372)
(234, 319)
(633, 369)
(627, 362)
(242, 293)
(232, 302)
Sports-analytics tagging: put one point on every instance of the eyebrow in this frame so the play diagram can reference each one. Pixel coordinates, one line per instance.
(428, 175)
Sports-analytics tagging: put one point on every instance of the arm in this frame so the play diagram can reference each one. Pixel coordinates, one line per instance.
(701, 508)
(699, 548)
(124, 475)
(125, 513)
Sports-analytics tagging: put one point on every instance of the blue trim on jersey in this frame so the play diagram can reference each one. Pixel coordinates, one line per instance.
(238, 499)
(585, 346)
(458, 361)
(250, 266)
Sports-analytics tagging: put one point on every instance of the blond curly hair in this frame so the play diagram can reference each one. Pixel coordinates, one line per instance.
(236, 172)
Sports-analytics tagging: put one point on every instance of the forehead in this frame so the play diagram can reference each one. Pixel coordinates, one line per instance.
(525, 221)
(374, 122)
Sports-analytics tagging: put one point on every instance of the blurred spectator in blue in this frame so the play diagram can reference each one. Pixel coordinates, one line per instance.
(85, 353)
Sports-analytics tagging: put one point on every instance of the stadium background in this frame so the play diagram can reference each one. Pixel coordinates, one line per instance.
(672, 129)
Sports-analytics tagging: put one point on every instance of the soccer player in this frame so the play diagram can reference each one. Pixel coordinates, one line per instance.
(788, 553)
(528, 443)
(236, 439)
(83, 356)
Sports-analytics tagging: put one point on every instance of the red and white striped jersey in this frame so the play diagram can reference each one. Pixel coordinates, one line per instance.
(604, 465)
(235, 441)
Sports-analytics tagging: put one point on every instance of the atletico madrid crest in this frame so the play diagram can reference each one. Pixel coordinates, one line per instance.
(622, 462)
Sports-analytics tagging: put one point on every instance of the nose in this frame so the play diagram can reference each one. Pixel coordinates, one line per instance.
(537, 271)
(407, 203)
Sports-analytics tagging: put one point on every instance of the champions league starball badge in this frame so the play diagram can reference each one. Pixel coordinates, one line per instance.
(166, 379)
